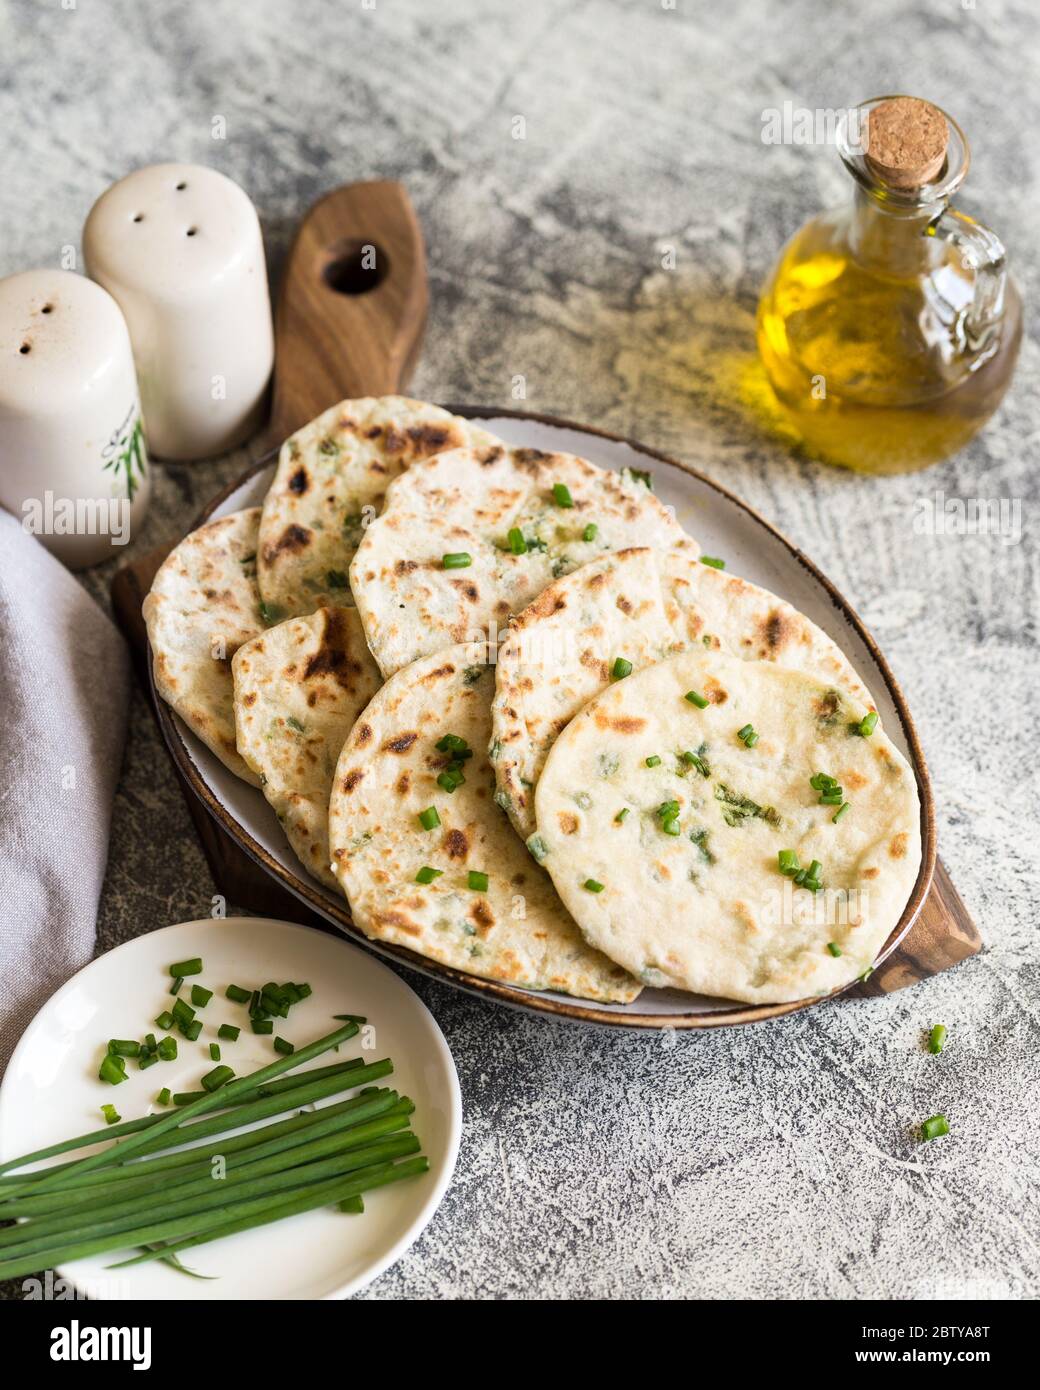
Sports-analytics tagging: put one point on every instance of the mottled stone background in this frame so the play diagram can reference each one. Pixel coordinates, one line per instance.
(775, 1162)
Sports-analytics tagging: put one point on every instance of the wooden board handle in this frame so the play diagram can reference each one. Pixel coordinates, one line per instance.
(943, 935)
(351, 308)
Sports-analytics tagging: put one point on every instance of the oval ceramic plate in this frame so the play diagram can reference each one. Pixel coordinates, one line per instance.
(724, 526)
(51, 1090)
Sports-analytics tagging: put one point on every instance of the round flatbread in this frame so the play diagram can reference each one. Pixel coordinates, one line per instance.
(515, 929)
(299, 688)
(672, 868)
(331, 478)
(202, 606)
(639, 606)
(437, 566)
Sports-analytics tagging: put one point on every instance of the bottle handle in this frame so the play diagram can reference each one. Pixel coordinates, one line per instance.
(979, 250)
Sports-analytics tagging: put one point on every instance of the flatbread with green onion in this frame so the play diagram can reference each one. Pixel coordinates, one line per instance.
(622, 613)
(412, 816)
(663, 824)
(203, 605)
(469, 537)
(299, 687)
(331, 478)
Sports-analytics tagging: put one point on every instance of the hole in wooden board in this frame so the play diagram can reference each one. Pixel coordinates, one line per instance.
(356, 268)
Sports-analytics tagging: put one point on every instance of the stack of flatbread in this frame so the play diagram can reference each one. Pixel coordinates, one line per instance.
(497, 699)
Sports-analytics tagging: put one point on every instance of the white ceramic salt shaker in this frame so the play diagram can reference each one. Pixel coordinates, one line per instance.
(179, 247)
(72, 458)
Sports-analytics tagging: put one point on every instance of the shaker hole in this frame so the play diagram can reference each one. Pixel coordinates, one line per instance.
(353, 272)
(191, 231)
(47, 309)
(181, 186)
(25, 347)
(139, 217)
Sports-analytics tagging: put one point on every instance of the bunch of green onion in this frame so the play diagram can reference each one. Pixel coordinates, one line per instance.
(146, 1189)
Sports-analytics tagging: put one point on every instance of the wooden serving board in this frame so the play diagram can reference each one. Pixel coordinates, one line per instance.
(349, 322)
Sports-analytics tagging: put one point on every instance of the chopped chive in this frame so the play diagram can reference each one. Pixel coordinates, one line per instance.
(865, 728)
(192, 1031)
(304, 991)
(163, 1098)
(359, 1019)
(591, 532)
(200, 997)
(477, 881)
(751, 739)
(429, 819)
(834, 948)
(450, 779)
(262, 1025)
(237, 994)
(621, 668)
(815, 869)
(840, 811)
(146, 1060)
(937, 1037)
(186, 967)
(621, 814)
(353, 1206)
(696, 698)
(800, 876)
(228, 1032)
(168, 1049)
(285, 1048)
(111, 1114)
(183, 1013)
(112, 1069)
(936, 1126)
(214, 1052)
(175, 988)
(671, 826)
(427, 875)
(787, 862)
(457, 560)
(537, 848)
(216, 1078)
(124, 1047)
(592, 885)
(653, 761)
(517, 544)
(451, 743)
(668, 810)
(562, 495)
(713, 561)
(747, 735)
(695, 760)
(832, 798)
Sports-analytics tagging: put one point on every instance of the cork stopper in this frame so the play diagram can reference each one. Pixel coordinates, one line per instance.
(906, 141)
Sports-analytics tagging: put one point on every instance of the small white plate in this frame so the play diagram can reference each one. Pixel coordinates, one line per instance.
(51, 1092)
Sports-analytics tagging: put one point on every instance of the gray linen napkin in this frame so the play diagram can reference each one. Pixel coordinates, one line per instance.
(64, 689)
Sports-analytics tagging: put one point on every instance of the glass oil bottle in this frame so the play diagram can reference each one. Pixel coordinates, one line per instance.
(889, 328)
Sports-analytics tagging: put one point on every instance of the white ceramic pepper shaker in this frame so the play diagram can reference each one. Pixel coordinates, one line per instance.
(179, 247)
(72, 458)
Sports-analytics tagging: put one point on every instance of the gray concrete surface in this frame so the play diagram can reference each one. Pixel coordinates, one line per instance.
(776, 1162)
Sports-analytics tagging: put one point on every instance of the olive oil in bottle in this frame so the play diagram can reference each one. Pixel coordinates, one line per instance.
(889, 328)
